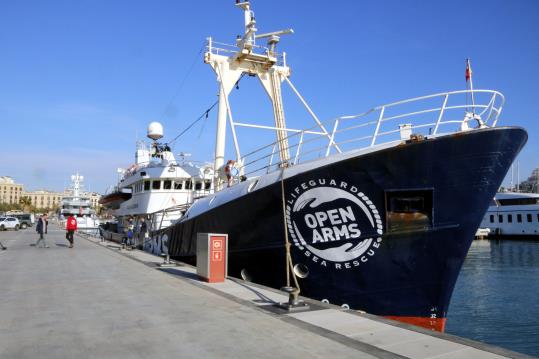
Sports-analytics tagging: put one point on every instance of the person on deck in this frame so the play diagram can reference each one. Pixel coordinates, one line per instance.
(71, 227)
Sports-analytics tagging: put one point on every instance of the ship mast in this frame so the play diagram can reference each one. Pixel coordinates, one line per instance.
(246, 57)
(77, 180)
(245, 60)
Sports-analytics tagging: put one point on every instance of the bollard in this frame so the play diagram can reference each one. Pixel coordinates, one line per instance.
(166, 261)
(294, 304)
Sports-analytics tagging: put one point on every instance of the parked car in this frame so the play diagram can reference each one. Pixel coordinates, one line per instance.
(9, 223)
(25, 219)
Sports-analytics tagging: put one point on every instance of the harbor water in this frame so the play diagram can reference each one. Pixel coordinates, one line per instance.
(496, 296)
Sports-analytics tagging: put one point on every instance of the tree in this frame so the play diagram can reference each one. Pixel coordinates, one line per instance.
(26, 203)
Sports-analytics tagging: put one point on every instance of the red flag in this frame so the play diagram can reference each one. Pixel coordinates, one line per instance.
(468, 71)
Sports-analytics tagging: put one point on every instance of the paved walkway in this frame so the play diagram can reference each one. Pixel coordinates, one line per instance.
(95, 302)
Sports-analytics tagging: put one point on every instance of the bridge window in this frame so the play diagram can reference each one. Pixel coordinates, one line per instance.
(207, 185)
(491, 218)
(500, 218)
(408, 210)
(510, 218)
(146, 185)
(518, 201)
(519, 218)
(188, 184)
(156, 184)
(178, 184)
(198, 186)
(529, 217)
(167, 184)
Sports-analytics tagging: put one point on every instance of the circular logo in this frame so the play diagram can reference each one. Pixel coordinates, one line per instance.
(333, 223)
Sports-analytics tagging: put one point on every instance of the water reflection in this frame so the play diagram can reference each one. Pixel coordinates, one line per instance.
(495, 298)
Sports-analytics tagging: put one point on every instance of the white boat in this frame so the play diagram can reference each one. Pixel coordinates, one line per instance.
(157, 189)
(513, 214)
(80, 206)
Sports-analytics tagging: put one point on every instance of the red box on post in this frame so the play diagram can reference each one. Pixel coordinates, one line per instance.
(212, 257)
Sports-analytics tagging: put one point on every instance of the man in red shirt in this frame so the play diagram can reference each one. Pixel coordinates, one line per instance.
(71, 227)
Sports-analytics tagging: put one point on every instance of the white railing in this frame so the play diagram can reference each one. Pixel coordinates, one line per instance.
(221, 48)
(431, 115)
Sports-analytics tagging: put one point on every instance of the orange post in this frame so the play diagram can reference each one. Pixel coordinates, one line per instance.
(212, 257)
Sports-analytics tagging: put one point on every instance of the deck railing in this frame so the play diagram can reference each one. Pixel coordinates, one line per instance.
(431, 115)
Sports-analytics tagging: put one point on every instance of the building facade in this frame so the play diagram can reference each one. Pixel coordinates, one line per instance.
(531, 185)
(44, 199)
(49, 199)
(10, 192)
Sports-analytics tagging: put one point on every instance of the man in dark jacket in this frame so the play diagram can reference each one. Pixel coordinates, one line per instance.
(40, 228)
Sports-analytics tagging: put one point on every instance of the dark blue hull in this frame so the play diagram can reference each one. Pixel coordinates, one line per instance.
(385, 232)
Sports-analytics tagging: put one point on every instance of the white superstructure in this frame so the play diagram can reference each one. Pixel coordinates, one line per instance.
(513, 214)
(161, 188)
(79, 205)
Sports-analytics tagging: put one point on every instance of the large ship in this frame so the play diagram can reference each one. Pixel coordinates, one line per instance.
(374, 211)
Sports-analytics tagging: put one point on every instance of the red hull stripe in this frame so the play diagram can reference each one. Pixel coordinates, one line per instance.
(437, 324)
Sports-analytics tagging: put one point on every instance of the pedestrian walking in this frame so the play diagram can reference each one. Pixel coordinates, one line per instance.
(130, 233)
(46, 218)
(40, 228)
(71, 227)
(143, 234)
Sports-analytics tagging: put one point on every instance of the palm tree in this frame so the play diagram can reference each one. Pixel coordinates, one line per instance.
(26, 203)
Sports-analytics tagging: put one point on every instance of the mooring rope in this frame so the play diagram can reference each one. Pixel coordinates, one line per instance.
(289, 266)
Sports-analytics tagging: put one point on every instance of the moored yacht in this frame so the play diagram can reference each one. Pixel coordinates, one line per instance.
(80, 206)
(156, 190)
(513, 214)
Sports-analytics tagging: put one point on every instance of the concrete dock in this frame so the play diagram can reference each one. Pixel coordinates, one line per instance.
(96, 301)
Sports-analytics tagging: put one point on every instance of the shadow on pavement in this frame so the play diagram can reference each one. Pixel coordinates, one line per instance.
(179, 273)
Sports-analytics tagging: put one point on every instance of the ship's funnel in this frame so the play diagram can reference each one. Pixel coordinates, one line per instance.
(155, 131)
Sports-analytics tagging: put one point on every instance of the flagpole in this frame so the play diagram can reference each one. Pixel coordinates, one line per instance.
(469, 77)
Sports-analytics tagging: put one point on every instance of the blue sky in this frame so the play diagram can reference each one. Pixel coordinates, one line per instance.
(80, 80)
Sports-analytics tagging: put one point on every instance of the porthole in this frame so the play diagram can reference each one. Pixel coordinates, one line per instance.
(345, 306)
(245, 275)
(301, 270)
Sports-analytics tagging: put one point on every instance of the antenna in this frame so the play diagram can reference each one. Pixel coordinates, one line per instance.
(518, 176)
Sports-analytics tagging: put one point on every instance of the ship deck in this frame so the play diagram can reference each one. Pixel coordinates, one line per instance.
(96, 301)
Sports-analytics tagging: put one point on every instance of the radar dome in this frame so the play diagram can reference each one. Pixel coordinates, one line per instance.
(155, 131)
